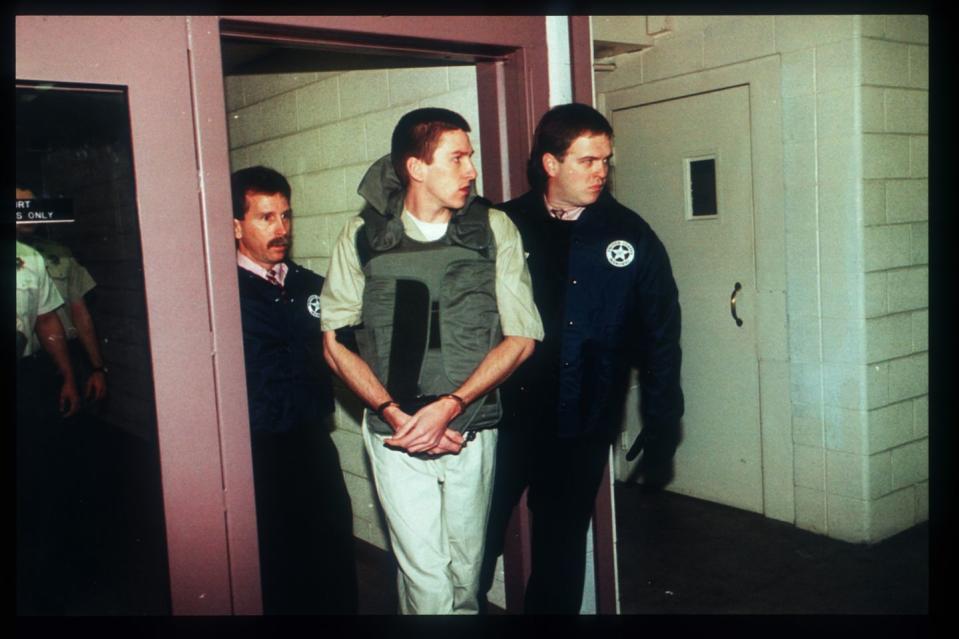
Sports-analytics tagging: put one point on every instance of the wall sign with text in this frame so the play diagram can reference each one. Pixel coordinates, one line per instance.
(44, 210)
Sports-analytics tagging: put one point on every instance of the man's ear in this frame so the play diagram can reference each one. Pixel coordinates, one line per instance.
(414, 168)
(550, 164)
(237, 229)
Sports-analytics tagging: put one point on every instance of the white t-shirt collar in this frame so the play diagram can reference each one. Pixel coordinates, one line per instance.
(432, 231)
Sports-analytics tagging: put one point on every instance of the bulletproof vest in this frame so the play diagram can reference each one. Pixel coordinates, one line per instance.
(429, 310)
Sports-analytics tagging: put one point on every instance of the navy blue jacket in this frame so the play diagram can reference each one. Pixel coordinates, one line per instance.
(605, 290)
(288, 381)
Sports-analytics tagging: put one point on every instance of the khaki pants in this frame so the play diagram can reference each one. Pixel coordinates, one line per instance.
(437, 511)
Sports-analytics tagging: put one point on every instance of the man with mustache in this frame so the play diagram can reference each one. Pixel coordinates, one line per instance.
(603, 284)
(304, 518)
(429, 285)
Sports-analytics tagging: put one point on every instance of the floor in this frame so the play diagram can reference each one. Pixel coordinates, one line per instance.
(677, 555)
(107, 553)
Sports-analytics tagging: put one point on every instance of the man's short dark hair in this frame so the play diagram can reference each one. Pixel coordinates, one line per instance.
(417, 134)
(32, 185)
(256, 179)
(557, 130)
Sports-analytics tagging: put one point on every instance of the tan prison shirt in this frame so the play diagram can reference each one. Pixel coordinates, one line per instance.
(342, 296)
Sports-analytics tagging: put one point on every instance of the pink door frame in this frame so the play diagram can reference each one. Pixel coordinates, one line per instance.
(510, 58)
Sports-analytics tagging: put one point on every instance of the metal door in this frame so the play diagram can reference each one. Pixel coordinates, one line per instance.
(685, 165)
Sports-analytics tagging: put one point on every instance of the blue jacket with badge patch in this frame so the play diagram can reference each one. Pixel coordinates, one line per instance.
(288, 382)
(605, 290)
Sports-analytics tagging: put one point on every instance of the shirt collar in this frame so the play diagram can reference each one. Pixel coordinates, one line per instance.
(566, 215)
(430, 231)
(247, 264)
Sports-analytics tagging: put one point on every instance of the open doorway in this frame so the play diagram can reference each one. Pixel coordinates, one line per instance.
(321, 117)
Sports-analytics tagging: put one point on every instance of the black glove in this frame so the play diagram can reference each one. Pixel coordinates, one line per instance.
(658, 447)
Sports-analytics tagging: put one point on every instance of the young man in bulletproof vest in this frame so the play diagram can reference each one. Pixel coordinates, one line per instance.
(609, 303)
(429, 285)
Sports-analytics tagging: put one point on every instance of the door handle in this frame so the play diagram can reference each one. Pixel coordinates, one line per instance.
(732, 303)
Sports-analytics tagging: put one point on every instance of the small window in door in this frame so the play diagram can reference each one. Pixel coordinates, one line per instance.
(700, 183)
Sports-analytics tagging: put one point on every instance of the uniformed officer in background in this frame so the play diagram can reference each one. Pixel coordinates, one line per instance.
(73, 282)
(37, 303)
(46, 390)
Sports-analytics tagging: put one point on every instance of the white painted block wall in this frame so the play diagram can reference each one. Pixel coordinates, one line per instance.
(895, 131)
